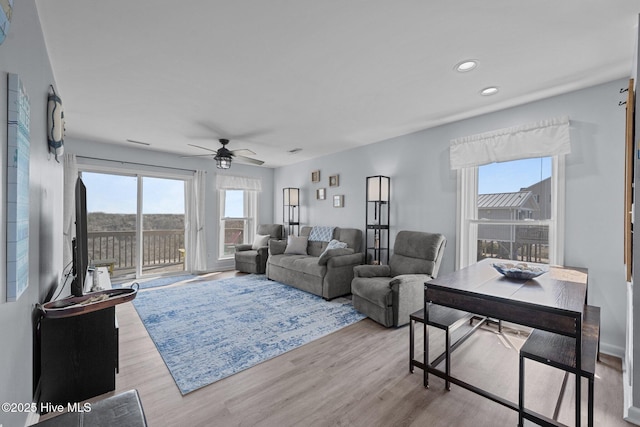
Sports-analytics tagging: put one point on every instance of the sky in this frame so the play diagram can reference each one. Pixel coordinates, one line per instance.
(508, 177)
(160, 196)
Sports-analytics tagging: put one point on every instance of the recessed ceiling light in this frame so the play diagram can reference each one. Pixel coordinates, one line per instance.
(488, 91)
(466, 65)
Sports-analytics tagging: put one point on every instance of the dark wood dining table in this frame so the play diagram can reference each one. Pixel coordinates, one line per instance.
(553, 301)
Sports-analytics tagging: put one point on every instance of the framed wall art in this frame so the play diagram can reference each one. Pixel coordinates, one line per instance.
(18, 134)
(338, 201)
(334, 180)
(315, 176)
(321, 193)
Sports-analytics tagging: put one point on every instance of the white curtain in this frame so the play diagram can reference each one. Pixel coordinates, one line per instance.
(466, 231)
(196, 239)
(231, 182)
(546, 138)
(69, 214)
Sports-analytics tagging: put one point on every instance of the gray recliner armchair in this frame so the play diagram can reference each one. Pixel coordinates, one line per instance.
(252, 258)
(389, 294)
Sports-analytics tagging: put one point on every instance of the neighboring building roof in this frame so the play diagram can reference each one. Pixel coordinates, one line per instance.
(503, 200)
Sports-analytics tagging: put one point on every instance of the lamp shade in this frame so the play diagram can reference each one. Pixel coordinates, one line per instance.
(378, 188)
(291, 196)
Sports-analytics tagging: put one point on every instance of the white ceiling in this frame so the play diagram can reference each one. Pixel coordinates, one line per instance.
(320, 75)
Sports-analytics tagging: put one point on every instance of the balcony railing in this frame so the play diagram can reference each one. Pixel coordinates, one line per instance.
(161, 248)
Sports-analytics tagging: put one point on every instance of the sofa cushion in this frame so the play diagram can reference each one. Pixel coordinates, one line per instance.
(301, 263)
(260, 241)
(351, 236)
(376, 290)
(296, 245)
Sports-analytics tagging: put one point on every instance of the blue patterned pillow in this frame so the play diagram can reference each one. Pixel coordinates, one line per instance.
(321, 234)
(327, 253)
(335, 244)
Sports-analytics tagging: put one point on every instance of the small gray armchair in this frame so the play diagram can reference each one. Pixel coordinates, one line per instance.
(251, 259)
(389, 294)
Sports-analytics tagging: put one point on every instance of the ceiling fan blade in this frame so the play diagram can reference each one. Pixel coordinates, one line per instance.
(244, 159)
(197, 155)
(204, 148)
(242, 152)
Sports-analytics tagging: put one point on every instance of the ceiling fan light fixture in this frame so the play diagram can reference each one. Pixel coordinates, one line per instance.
(466, 65)
(222, 162)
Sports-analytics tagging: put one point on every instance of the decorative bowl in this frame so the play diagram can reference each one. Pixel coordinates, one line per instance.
(521, 271)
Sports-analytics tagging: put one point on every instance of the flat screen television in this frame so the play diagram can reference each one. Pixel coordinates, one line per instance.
(80, 250)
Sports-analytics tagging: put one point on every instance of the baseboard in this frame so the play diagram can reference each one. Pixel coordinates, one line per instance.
(612, 350)
(632, 415)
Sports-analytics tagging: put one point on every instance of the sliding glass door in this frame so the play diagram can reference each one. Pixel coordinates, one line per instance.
(135, 223)
(162, 213)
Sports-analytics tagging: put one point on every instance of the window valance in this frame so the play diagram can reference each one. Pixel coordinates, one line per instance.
(231, 182)
(546, 138)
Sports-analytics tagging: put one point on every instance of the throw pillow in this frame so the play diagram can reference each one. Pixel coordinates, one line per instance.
(336, 244)
(260, 241)
(326, 255)
(296, 245)
(333, 244)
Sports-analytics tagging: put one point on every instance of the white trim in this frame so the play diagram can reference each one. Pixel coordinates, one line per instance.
(466, 231)
(556, 230)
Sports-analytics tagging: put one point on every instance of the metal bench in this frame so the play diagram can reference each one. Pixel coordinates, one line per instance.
(457, 325)
(559, 351)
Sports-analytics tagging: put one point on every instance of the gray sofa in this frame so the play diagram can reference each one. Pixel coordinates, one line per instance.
(328, 276)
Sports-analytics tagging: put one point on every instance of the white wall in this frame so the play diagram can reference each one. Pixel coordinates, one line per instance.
(24, 53)
(134, 155)
(423, 188)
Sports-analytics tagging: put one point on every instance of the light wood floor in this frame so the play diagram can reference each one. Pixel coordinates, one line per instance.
(358, 376)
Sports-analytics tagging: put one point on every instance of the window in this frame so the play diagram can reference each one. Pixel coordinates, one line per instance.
(140, 224)
(512, 212)
(237, 219)
(511, 193)
(238, 201)
(511, 221)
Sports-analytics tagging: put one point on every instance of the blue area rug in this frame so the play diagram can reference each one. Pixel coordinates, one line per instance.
(161, 281)
(206, 331)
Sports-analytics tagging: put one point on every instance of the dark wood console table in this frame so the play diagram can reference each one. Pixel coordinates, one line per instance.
(553, 302)
(78, 350)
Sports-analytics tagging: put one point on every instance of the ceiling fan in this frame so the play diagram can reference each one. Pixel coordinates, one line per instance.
(224, 156)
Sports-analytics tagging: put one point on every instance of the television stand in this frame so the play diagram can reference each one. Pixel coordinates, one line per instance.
(78, 354)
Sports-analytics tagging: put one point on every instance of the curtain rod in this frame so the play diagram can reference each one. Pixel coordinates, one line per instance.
(135, 163)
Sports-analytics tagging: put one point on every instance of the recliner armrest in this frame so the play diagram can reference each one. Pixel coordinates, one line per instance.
(277, 247)
(409, 278)
(372, 271)
(243, 247)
